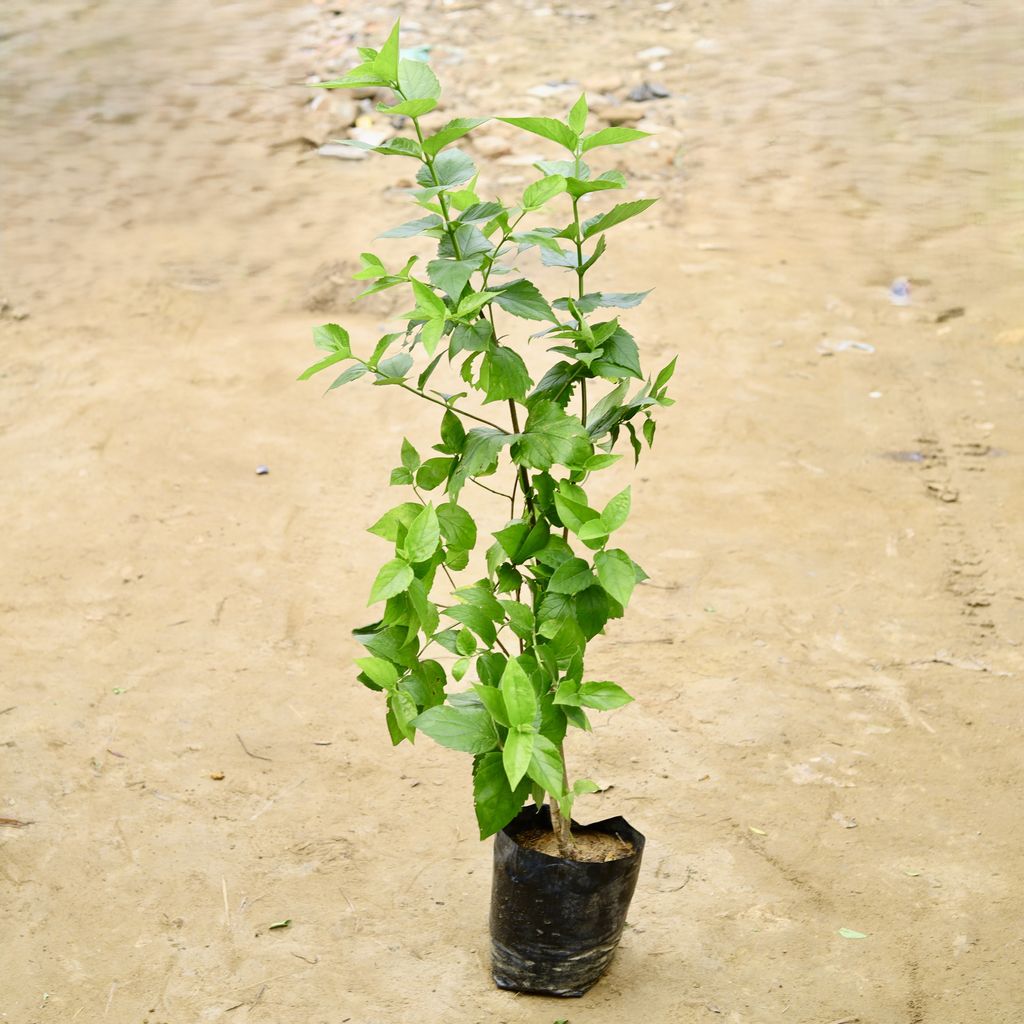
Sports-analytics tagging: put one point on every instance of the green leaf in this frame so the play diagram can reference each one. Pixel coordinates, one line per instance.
(479, 455)
(404, 710)
(616, 511)
(603, 461)
(592, 611)
(664, 375)
(433, 472)
(849, 933)
(579, 186)
(359, 77)
(452, 276)
(451, 168)
(332, 338)
(616, 573)
(496, 802)
(546, 127)
(280, 924)
(394, 577)
(428, 304)
(519, 696)
(581, 786)
(417, 81)
(573, 513)
(612, 137)
(423, 537)
(616, 215)
(386, 62)
(476, 619)
(522, 298)
(394, 519)
(603, 696)
(469, 728)
(414, 227)
(453, 434)
(394, 368)
(425, 610)
(453, 130)
(517, 755)
(551, 437)
(571, 577)
(354, 372)
(410, 457)
(503, 375)
(457, 526)
(578, 115)
(408, 108)
(546, 767)
(465, 642)
(537, 194)
(520, 617)
(334, 357)
(492, 700)
(382, 672)
(558, 383)
(620, 357)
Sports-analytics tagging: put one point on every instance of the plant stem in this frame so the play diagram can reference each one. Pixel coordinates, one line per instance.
(524, 477)
(580, 274)
(455, 409)
(442, 201)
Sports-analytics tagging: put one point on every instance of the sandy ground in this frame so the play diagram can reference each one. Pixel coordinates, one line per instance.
(828, 660)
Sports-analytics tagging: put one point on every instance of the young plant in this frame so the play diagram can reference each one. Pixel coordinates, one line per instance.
(554, 577)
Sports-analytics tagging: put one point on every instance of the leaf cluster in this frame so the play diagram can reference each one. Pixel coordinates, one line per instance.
(495, 668)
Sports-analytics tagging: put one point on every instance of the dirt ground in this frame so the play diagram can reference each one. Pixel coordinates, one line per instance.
(827, 661)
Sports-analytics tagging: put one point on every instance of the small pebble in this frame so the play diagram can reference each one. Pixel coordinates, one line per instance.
(262, 470)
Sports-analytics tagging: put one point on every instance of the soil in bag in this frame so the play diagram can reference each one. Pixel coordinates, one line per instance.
(555, 923)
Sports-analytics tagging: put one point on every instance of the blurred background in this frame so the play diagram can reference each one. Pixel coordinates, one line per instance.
(827, 660)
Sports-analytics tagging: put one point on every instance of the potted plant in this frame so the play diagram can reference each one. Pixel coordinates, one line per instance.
(481, 645)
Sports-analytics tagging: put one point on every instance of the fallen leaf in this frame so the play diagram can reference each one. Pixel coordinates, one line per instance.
(216, 776)
(757, 831)
(281, 924)
(913, 874)
(849, 933)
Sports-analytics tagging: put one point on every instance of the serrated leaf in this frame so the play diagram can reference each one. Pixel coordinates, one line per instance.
(612, 137)
(385, 63)
(382, 672)
(616, 215)
(551, 437)
(414, 227)
(520, 617)
(616, 573)
(453, 130)
(332, 338)
(537, 194)
(451, 167)
(496, 802)
(523, 299)
(394, 519)
(616, 511)
(408, 108)
(393, 578)
(476, 619)
(603, 696)
(404, 710)
(571, 577)
(417, 81)
(518, 694)
(468, 728)
(457, 526)
(620, 357)
(478, 455)
(423, 536)
(546, 127)
(354, 372)
(546, 767)
(503, 375)
(428, 304)
(410, 457)
(517, 754)
(578, 115)
(452, 276)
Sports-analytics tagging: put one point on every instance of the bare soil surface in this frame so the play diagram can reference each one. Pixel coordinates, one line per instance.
(588, 847)
(827, 661)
